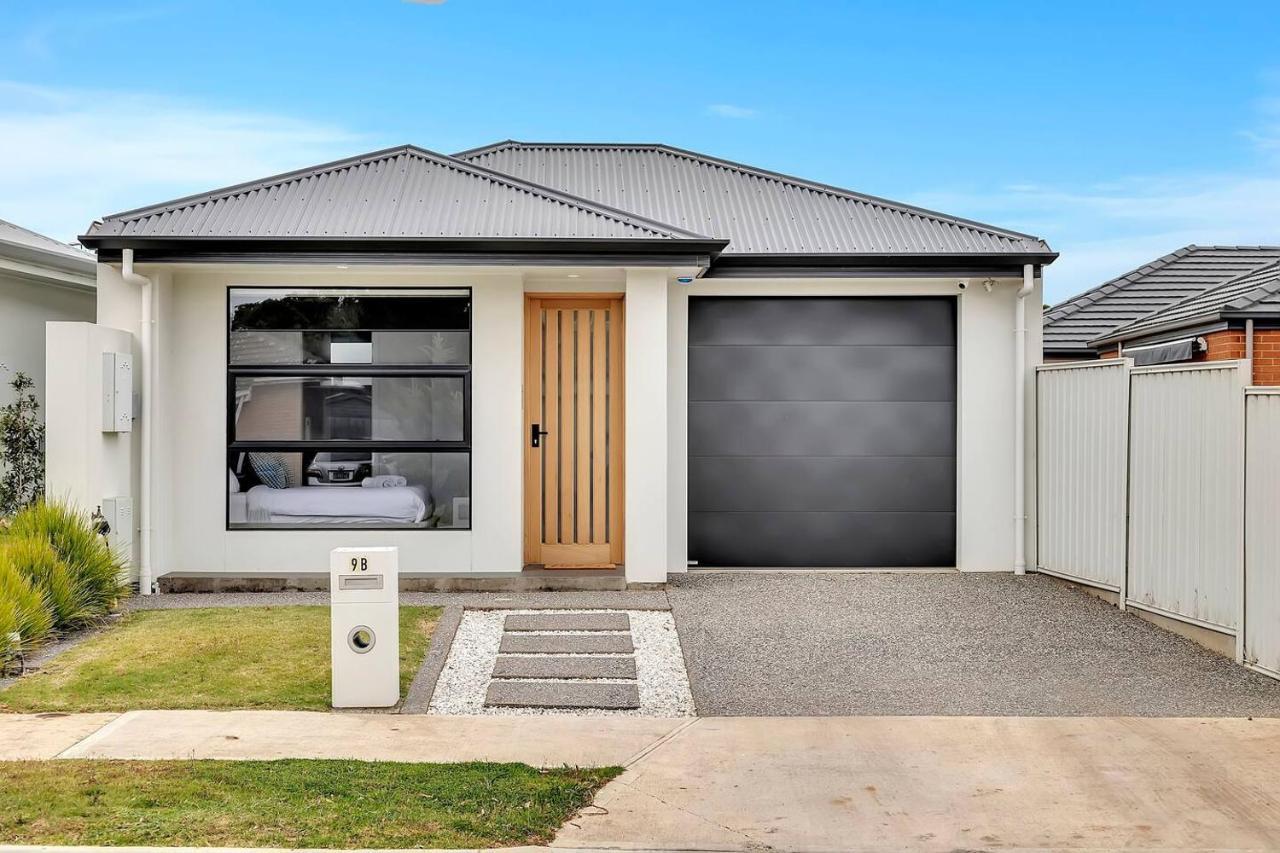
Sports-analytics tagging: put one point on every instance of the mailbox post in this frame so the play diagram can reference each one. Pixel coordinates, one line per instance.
(364, 592)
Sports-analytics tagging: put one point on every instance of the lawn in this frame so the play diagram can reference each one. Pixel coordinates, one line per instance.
(291, 803)
(225, 657)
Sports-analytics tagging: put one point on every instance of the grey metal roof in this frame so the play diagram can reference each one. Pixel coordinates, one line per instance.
(402, 192)
(760, 212)
(26, 245)
(1254, 294)
(1071, 326)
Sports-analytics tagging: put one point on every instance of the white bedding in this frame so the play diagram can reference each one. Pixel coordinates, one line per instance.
(337, 505)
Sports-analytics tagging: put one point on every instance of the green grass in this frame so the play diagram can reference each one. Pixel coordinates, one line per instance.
(227, 657)
(292, 803)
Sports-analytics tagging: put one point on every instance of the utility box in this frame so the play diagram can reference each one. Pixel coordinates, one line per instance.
(117, 392)
(364, 637)
(118, 514)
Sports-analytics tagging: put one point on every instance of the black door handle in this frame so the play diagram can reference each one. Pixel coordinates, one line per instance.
(535, 435)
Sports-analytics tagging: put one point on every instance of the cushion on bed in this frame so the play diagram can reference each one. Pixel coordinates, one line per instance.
(271, 469)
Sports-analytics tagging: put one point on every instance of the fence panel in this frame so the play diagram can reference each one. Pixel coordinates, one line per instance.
(1082, 436)
(1262, 530)
(1186, 494)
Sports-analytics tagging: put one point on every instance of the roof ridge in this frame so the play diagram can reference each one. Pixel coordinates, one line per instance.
(511, 181)
(1080, 300)
(782, 177)
(1270, 287)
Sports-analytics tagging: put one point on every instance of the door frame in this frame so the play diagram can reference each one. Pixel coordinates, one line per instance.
(531, 493)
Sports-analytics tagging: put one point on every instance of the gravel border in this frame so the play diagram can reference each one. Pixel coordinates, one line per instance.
(661, 677)
(418, 698)
(610, 600)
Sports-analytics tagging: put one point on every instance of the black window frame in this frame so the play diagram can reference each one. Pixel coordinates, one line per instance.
(234, 371)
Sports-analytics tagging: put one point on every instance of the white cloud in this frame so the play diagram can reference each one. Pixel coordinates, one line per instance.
(1105, 230)
(732, 111)
(71, 156)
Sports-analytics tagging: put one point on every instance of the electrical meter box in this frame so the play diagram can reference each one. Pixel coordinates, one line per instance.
(117, 392)
(118, 513)
(364, 593)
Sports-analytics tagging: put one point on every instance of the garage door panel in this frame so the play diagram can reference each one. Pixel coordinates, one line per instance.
(828, 539)
(818, 484)
(835, 373)
(821, 429)
(822, 320)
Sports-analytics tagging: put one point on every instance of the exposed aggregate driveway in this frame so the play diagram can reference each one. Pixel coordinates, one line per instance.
(826, 643)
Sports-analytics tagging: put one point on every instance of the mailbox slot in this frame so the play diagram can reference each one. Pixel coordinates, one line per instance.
(360, 582)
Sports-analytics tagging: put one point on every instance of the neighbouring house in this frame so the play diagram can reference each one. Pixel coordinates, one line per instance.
(41, 279)
(1092, 324)
(557, 355)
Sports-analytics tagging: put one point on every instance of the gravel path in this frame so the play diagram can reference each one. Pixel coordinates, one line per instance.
(660, 674)
(773, 643)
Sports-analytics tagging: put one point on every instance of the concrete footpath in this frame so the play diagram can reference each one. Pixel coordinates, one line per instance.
(795, 783)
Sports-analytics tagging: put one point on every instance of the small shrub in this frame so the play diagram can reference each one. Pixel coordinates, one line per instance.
(85, 579)
(21, 448)
(22, 612)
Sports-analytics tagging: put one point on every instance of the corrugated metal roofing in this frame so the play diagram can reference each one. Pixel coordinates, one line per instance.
(16, 235)
(760, 212)
(1070, 326)
(403, 192)
(1254, 293)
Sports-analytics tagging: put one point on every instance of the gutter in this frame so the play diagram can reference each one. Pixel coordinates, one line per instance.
(1020, 420)
(147, 346)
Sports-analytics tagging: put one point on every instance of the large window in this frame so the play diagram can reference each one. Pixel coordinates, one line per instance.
(349, 407)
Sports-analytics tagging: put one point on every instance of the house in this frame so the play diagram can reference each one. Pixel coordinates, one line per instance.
(41, 279)
(558, 355)
(1081, 327)
(1239, 318)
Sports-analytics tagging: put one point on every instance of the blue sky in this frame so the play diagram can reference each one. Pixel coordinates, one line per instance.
(1117, 130)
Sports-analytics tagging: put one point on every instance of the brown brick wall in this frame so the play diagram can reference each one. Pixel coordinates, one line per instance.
(1229, 344)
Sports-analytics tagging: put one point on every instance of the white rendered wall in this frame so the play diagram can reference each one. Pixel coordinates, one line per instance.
(985, 416)
(25, 306)
(83, 464)
(646, 497)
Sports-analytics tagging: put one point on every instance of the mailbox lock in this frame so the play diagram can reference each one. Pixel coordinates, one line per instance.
(361, 639)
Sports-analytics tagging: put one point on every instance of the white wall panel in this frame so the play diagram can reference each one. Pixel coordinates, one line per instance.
(1262, 530)
(1082, 437)
(1186, 491)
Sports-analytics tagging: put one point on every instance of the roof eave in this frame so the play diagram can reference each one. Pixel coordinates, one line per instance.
(824, 264)
(410, 249)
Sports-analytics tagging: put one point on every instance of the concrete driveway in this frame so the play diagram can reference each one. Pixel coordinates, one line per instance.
(822, 644)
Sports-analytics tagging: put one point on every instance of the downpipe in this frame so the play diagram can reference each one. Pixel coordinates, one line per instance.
(1020, 420)
(147, 346)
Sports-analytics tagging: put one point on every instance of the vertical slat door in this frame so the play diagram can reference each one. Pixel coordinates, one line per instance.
(573, 394)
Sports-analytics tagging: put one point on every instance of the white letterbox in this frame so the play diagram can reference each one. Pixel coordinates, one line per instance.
(364, 591)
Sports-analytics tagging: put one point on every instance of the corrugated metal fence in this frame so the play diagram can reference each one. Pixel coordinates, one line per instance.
(1262, 530)
(1142, 491)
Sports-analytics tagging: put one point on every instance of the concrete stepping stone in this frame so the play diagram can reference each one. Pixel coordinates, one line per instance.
(567, 622)
(566, 644)
(560, 694)
(554, 666)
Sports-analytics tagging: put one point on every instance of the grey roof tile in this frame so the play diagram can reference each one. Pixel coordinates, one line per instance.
(403, 192)
(1256, 293)
(1072, 325)
(760, 212)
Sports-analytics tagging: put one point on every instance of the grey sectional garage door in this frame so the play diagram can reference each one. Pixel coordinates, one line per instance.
(822, 431)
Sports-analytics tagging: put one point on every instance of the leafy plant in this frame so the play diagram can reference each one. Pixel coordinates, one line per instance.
(25, 620)
(91, 578)
(21, 447)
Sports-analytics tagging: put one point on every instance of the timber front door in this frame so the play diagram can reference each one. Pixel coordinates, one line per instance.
(573, 431)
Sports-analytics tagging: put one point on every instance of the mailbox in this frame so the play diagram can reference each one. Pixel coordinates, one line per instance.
(364, 637)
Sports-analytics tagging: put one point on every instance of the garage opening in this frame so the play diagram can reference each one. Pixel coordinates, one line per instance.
(822, 432)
